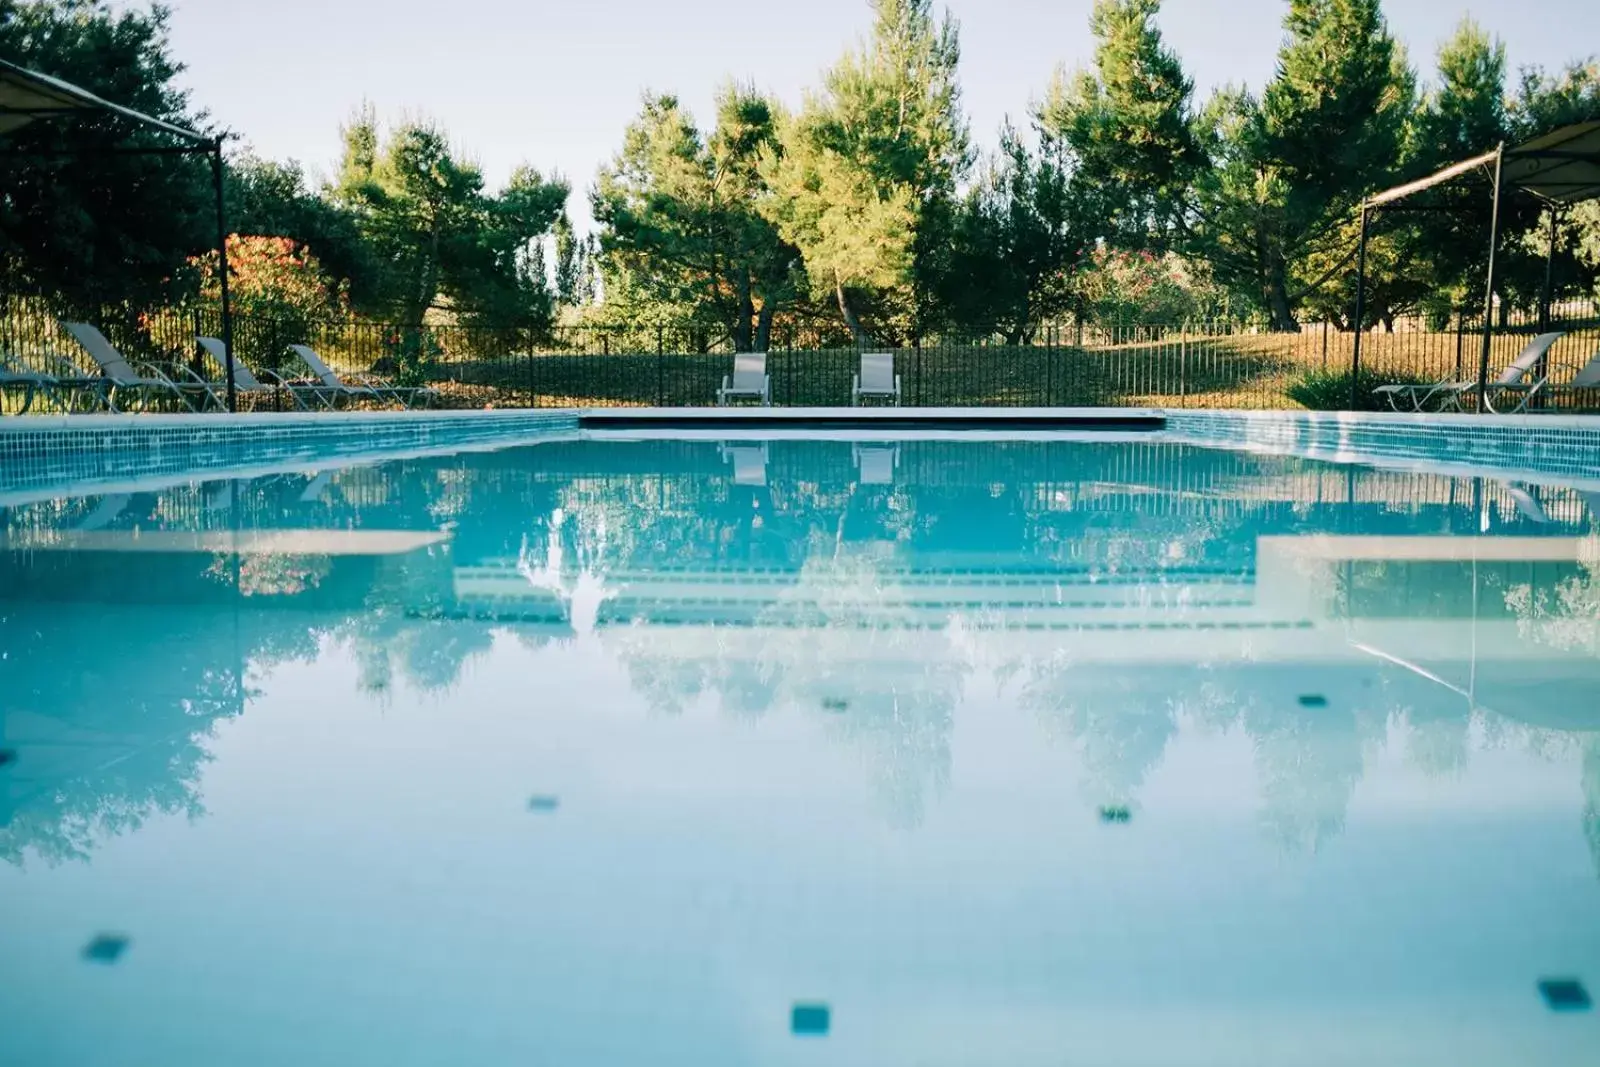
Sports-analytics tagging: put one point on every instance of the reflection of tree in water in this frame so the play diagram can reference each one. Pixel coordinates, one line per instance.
(1310, 766)
(269, 573)
(1565, 616)
(122, 732)
(1591, 798)
(845, 636)
(1119, 723)
(1440, 740)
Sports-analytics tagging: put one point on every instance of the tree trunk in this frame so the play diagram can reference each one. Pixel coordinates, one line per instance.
(764, 328)
(1277, 297)
(747, 310)
(861, 336)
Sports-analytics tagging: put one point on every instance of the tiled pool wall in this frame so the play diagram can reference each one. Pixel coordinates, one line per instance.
(1558, 446)
(88, 449)
(72, 451)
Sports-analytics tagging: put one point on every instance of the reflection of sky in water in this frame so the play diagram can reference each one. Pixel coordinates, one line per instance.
(814, 739)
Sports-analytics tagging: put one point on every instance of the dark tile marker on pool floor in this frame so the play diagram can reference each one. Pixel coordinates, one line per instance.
(1313, 700)
(1565, 994)
(1115, 813)
(7, 757)
(835, 704)
(543, 803)
(810, 1020)
(105, 948)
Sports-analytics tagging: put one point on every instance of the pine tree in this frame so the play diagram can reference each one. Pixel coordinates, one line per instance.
(867, 171)
(1129, 123)
(681, 230)
(1328, 130)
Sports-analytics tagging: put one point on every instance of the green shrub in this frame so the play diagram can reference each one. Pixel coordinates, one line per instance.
(1324, 390)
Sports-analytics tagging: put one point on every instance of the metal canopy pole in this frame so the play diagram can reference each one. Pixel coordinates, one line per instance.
(1488, 289)
(222, 269)
(1361, 310)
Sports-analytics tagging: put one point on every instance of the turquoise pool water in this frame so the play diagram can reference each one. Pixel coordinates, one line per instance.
(803, 752)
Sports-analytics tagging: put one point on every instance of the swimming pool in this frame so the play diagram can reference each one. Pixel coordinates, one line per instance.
(600, 750)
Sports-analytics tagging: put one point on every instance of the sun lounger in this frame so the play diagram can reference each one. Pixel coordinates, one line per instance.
(13, 375)
(119, 375)
(1451, 394)
(360, 386)
(249, 383)
(750, 380)
(876, 379)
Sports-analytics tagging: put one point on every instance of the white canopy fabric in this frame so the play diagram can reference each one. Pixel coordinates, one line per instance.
(26, 95)
(1562, 167)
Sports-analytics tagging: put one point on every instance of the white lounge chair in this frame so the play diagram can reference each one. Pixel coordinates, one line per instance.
(876, 463)
(749, 463)
(119, 375)
(245, 380)
(1451, 394)
(750, 380)
(360, 386)
(876, 379)
(1585, 379)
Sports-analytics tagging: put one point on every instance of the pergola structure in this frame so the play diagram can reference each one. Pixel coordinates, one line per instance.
(1559, 168)
(29, 96)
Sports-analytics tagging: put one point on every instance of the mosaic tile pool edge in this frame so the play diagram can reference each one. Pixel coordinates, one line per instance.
(1561, 446)
(42, 452)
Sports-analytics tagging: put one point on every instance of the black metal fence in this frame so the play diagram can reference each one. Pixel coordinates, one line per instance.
(1195, 364)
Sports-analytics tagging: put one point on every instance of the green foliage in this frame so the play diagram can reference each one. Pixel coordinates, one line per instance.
(270, 198)
(1329, 390)
(116, 231)
(273, 279)
(682, 228)
(1118, 286)
(1128, 122)
(444, 243)
(1463, 115)
(1289, 170)
(1020, 235)
(866, 176)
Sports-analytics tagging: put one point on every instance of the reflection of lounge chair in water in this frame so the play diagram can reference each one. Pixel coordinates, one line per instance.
(105, 512)
(877, 463)
(1528, 504)
(749, 463)
(316, 487)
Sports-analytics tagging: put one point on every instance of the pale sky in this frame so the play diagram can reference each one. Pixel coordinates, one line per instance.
(554, 83)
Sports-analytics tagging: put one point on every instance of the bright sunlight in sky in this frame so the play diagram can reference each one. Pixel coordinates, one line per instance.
(553, 82)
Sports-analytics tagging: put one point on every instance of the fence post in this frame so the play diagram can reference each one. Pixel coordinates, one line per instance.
(1183, 364)
(916, 347)
(661, 366)
(1324, 343)
(531, 390)
(1461, 322)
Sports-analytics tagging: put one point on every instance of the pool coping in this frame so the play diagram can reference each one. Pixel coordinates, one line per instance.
(844, 418)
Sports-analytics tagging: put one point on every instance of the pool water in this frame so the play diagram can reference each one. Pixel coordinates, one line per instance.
(803, 752)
